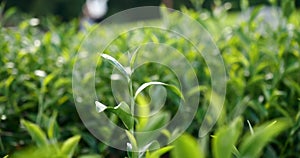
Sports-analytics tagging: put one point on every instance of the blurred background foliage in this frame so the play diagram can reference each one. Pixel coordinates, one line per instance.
(69, 9)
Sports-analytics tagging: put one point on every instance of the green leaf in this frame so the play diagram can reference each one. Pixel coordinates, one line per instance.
(100, 107)
(124, 114)
(90, 156)
(150, 146)
(49, 78)
(145, 85)
(159, 152)
(132, 145)
(250, 127)
(51, 126)
(36, 133)
(157, 121)
(114, 62)
(69, 146)
(255, 13)
(122, 111)
(244, 4)
(131, 139)
(9, 81)
(252, 145)
(288, 7)
(133, 57)
(225, 139)
(186, 146)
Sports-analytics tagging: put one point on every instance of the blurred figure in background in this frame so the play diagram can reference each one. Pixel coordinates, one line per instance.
(93, 11)
(168, 3)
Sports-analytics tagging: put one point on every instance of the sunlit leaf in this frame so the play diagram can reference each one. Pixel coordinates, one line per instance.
(51, 126)
(122, 111)
(114, 62)
(252, 145)
(159, 152)
(36, 133)
(69, 146)
(186, 146)
(145, 85)
(225, 139)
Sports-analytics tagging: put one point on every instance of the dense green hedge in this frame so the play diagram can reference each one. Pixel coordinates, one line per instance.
(263, 85)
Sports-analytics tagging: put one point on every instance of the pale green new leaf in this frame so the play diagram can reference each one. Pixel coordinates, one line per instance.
(186, 147)
(36, 133)
(69, 146)
(159, 152)
(132, 145)
(226, 138)
(145, 85)
(114, 62)
(133, 57)
(51, 126)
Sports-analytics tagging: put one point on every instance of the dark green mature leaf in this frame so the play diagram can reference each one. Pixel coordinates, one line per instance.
(36, 133)
(288, 7)
(122, 111)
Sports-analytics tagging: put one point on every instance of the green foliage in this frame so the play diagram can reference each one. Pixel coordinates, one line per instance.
(253, 144)
(225, 139)
(44, 147)
(186, 146)
(69, 146)
(145, 85)
(159, 152)
(36, 133)
(262, 64)
(122, 111)
(126, 113)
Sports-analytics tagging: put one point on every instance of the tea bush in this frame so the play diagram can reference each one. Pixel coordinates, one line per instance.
(261, 115)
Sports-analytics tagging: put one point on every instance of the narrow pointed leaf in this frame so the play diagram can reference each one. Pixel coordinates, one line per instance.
(122, 111)
(132, 146)
(69, 146)
(114, 62)
(51, 126)
(225, 139)
(133, 57)
(160, 152)
(100, 107)
(36, 133)
(145, 85)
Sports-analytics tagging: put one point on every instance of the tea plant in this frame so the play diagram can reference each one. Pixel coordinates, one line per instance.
(47, 147)
(126, 112)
